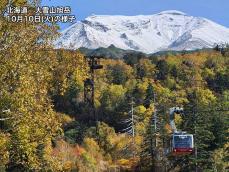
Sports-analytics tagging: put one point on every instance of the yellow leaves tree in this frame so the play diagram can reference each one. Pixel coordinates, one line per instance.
(113, 96)
(220, 157)
(4, 153)
(25, 75)
(71, 67)
(145, 69)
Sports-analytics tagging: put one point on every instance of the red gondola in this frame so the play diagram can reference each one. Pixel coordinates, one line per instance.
(182, 144)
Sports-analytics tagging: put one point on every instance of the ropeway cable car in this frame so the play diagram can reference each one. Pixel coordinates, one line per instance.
(181, 143)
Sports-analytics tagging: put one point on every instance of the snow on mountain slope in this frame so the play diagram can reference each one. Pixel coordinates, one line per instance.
(168, 30)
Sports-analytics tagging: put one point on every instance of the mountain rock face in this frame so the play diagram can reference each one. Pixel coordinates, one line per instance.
(168, 30)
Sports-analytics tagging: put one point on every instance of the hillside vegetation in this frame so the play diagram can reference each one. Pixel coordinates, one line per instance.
(46, 126)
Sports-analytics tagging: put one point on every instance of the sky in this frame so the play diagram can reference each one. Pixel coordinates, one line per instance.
(215, 10)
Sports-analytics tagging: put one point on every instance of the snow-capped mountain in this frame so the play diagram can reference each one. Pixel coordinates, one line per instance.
(168, 30)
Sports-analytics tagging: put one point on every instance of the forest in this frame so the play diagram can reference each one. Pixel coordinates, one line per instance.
(46, 125)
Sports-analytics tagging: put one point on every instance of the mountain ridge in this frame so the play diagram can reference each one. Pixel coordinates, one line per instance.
(167, 30)
(113, 52)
